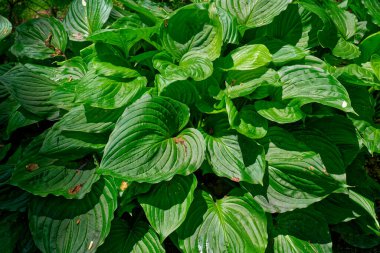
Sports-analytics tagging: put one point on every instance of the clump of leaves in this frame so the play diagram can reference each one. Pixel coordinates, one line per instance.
(221, 126)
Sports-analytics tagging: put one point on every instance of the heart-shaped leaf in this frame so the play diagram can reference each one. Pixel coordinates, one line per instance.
(61, 225)
(147, 144)
(232, 224)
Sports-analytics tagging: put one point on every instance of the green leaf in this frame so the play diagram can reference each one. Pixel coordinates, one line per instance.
(79, 132)
(192, 65)
(5, 27)
(345, 22)
(108, 92)
(183, 91)
(354, 74)
(232, 155)
(369, 46)
(32, 91)
(193, 28)
(279, 112)
(86, 17)
(373, 8)
(138, 237)
(40, 39)
(297, 175)
(296, 26)
(125, 38)
(167, 204)
(307, 84)
(243, 83)
(232, 224)
(254, 13)
(61, 225)
(301, 231)
(147, 144)
(246, 121)
(346, 50)
(247, 57)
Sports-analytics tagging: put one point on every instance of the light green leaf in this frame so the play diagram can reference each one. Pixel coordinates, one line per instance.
(301, 231)
(297, 175)
(243, 83)
(254, 13)
(193, 28)
(229, 26)
(247, 57)
(246, 121)
(232, 155)
(307, 84)
(345, 22)
(346, 50)
(5, 27)
(32, 91)
(167, 203)
(279, 112)
(375, 64)
(135, 238)
(192, 65)
(231, 224)
(357, 75)
(149, 142)
(110, 92)
(86, 17)
(40, 39)
(373, 8)
(62, 225)
(125, 38)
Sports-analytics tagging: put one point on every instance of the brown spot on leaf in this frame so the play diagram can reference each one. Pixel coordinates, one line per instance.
(78, 221)
(48, 41)
(180, 140)
(32, 167)
(75, 189)
(211, 131)
(123, 186)
(235, 179)
(166, 23)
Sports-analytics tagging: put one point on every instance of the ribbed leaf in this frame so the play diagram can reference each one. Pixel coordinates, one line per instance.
(135, 238)
(279, 112)
(373, 8)
(167, 204)
(147, 145)
(297, 175)
(246, 121)
(86, 17)
(79, 132)
(307, 84)
(32, 91)
(183, 91)
(254, 13)
(108, 92)
(346, 50)
(42, 176)
(192, 65)
(5, 27)
(247, 57)
(232, 224)
(301, 231)
(40, 39)
(232, 155)
(243, 83)
(61, 225)
(193, 28)
(295, 26)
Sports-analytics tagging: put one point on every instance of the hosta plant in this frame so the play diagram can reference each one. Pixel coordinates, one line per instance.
(220, 126)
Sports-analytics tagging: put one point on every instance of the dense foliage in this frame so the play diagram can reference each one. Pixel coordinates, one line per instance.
(221, 126)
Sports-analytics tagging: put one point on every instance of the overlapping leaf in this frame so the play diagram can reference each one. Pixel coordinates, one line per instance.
(40, 39)
(149, 142)
(61, 225)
